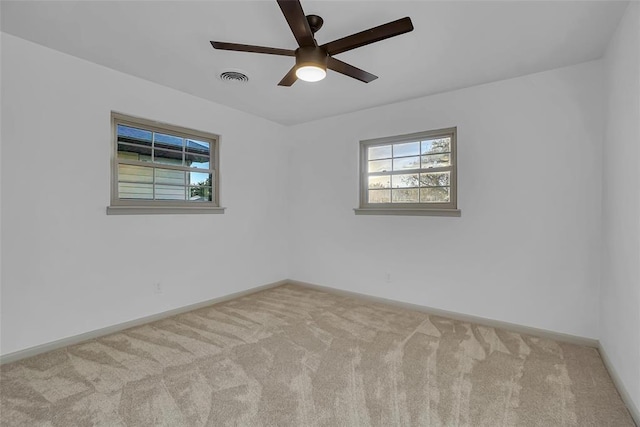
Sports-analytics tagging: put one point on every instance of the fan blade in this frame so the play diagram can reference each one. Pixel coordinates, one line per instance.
(293, 13)
(349, 70)
(249, 48)
(371, 35)
(289, 78)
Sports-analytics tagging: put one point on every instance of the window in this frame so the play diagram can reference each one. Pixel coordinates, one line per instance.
(409, 174)
(160, 168)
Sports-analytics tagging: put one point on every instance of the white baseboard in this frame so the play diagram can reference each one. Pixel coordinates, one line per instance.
(558, 336)
(624, 394)
(54, 345)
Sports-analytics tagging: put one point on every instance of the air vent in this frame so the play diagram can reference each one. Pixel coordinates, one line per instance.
(234, 76)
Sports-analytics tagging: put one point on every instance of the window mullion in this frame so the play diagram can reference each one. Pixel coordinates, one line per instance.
(163, 166)
(437, 169)
(410, 171)
(153, 160)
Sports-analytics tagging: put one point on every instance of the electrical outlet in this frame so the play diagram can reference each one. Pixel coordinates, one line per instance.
(387, 277)
(157, 288)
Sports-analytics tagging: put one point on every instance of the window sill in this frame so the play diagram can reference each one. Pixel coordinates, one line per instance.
(408, 211)
(163, 210)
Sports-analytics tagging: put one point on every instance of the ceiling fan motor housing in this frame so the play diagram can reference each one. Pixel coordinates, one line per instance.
(311, 56)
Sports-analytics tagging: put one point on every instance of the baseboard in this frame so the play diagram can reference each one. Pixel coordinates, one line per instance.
(622, 390)
(54, 345)
(558, 336)
(76, 339)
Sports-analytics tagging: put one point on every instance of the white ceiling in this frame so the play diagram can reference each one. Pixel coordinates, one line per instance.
(455, 44)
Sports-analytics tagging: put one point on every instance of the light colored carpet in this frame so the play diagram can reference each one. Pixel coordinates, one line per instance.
(292, 356)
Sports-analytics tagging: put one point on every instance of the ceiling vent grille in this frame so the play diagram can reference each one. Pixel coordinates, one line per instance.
(234, 76)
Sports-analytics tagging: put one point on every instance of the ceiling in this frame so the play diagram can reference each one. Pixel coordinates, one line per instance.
(455, 44)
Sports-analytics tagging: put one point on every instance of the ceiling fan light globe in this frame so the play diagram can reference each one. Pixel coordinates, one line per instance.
(311, 73)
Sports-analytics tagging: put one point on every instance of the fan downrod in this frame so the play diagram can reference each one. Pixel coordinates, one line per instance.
(315, 22)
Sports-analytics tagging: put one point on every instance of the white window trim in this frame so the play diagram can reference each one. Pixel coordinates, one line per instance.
(413, 209)
(145, 207)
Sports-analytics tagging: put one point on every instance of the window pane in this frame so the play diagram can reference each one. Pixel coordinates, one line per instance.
(133, 151)
(167, 157)
(196, 161)
(436, 160)
(128, 156)
(135, 173)
(168, 141)
(170, 192)
(405, 195)
(436, 145)
(380, 165)
(134, 135)
(135, 191)
(197, 147)
(407, 149)
(435, 195)
(379, 196)
(435, 179)
(405, 180)
(200, 194)
(406, 163)
(380, 181)
(379, 152)
(198, 165)
(199, 179)
(170, 176)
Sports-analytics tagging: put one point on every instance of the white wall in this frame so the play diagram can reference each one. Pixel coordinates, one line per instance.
(68, 267)
(527, 247)
(1, 96)
(620, 291)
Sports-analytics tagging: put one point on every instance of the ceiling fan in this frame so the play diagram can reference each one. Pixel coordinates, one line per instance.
(312, 60)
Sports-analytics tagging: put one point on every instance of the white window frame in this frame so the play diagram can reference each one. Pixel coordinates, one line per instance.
(428, 208)
(120, 206)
